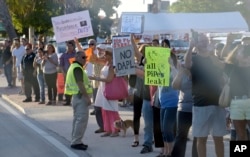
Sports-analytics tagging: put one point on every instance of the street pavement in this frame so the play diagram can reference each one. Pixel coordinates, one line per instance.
(58, 119)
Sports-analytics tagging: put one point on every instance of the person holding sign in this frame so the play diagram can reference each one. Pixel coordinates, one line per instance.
(109, 107)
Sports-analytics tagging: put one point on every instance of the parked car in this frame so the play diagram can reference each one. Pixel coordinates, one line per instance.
(179, 46)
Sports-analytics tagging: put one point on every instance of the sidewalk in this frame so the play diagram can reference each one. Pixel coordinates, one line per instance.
(58, 119)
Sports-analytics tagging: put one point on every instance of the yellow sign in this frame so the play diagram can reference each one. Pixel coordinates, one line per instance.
(157, 67)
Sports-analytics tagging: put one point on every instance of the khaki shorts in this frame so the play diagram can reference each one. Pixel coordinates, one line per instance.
(19, 73)
(240, 109)
(209, 120)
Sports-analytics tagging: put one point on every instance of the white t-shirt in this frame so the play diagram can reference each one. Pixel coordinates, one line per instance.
(18, 53)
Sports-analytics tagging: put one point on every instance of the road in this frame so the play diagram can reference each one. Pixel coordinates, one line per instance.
(20, 137)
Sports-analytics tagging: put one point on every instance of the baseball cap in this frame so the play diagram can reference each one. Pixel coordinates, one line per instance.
(91, 42)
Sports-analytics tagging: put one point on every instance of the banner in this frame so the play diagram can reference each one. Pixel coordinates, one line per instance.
(157, 68)
(69, 26)
(124, 60)
(131, 23)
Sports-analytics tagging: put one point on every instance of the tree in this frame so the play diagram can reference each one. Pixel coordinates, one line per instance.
(6, 19)
(25, 14)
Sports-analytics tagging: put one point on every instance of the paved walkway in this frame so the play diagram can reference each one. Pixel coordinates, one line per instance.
(58, 119)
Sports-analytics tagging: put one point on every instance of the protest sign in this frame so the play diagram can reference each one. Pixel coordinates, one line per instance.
(120, 41)
(124, 60)
(157, 68)
(131, 23)
(69, 26)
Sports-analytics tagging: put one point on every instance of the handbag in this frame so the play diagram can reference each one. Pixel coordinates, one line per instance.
(225, 95)
(117, 89)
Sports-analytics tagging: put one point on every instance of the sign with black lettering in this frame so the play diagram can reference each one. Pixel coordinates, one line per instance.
(131, 23)
(124, 60)
(70, 26)
(239, 148)
(157, 67)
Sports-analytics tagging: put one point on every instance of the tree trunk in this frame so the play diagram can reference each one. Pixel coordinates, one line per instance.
(6, 19)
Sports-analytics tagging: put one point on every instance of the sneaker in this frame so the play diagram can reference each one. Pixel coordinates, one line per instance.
(79, 146)
(146, 149)
(66, 104)
(41, 102)
(27, 100)
(99, 131)
(92, 113)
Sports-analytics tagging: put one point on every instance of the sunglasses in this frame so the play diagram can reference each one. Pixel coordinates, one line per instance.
(91, 44)
(27, 49)
(84, 57)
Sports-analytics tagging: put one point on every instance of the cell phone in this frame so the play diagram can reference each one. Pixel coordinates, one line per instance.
(194, 35)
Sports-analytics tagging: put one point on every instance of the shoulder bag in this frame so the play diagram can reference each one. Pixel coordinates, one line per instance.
(225, 95)
(117, 89)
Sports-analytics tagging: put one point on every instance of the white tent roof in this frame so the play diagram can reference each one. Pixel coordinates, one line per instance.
(163, 23)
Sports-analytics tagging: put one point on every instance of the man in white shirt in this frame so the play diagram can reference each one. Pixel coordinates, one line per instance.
(17, 54)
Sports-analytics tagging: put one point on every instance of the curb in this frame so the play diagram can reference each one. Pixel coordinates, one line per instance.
(18, 107)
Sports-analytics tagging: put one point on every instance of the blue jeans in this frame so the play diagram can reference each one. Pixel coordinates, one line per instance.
(8, 73)
(184, 122)
(41, 83)
(168, 120)
(147, 112)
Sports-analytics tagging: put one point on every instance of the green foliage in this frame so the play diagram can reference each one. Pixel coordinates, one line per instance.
(34, 13)
(38, 13)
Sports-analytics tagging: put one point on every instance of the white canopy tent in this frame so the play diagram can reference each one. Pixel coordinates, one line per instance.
(164, 23)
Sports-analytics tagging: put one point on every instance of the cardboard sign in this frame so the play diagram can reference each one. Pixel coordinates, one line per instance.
(124, 60)
(157, 67)
(121, 41)
(69, 26)
(131, 23)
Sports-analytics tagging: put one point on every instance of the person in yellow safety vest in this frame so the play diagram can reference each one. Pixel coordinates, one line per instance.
(78, 85)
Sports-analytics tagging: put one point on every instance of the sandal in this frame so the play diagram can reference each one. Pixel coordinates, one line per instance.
(135, 144)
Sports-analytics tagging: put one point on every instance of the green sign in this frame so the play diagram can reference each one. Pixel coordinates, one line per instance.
(157, 67)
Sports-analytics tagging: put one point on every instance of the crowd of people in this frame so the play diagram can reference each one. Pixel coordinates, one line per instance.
(191, 99)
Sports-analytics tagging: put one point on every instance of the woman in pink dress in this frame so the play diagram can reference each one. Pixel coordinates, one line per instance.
(109, 107)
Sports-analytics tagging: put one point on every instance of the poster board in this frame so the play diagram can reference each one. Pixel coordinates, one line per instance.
(67, 27)
(120, 41)
(124, 60)
(157, 67)
(132, 23)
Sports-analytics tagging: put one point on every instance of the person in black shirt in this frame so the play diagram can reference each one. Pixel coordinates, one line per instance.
(30, 79)
(208, 117)
(7, 62)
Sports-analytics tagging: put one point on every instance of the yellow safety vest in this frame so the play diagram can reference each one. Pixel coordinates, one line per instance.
(71, 86)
